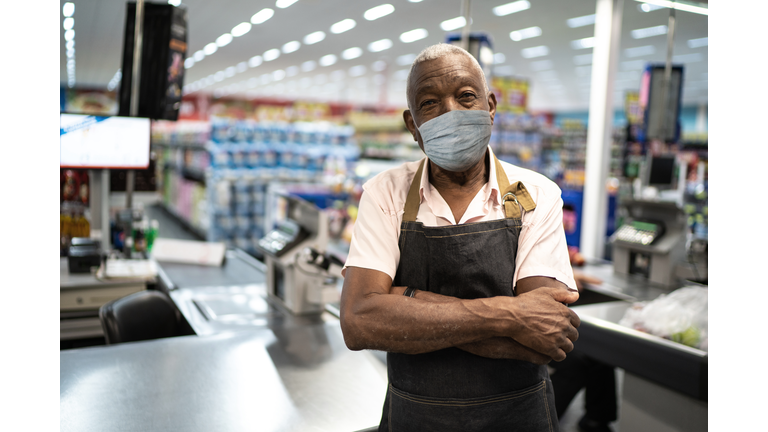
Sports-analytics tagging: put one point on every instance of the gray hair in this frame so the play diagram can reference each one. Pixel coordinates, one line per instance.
(434, 52)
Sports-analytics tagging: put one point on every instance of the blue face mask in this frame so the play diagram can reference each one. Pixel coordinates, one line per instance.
(456, 140)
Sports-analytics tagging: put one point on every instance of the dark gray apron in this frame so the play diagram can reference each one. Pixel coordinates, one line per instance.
(451, 389)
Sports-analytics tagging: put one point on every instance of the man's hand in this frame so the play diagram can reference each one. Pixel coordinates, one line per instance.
(545, 324)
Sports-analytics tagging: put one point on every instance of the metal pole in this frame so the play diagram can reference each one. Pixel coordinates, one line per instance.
(600, 127)
(667, 88)
(465, 31)
(138, 37)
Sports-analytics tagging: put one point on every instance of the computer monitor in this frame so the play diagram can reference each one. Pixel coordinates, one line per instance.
(661, 172)
(97, 142)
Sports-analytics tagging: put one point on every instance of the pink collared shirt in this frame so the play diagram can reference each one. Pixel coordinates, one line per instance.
(542, 250)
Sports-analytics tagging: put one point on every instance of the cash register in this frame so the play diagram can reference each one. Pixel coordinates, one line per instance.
(651, 242)
(300, 274)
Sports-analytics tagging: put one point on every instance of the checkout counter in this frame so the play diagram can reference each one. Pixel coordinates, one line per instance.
(257, 361)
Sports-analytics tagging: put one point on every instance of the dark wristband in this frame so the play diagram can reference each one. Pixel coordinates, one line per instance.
(409, 292)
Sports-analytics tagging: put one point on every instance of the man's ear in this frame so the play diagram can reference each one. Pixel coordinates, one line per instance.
(492, 105)
(410, 124)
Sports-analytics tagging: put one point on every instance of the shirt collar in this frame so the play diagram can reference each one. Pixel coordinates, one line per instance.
(493, 182)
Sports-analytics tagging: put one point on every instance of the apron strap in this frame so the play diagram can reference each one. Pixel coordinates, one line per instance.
(515, 197)
(413, 200)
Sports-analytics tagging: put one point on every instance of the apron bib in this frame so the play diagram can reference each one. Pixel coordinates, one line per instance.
(451, 389)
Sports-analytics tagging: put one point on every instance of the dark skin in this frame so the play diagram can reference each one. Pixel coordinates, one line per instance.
(533, 326)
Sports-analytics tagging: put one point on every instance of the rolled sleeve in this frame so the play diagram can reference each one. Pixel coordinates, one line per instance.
(374, 238)
(542, 250)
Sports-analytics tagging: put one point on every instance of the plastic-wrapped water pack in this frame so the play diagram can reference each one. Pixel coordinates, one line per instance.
(681, 316)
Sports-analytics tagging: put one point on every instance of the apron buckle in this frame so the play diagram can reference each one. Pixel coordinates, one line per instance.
(514, 197)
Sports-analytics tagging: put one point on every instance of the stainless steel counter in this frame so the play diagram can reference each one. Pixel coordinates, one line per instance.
(281, 379)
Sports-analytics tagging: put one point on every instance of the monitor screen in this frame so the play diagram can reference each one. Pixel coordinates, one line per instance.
(662, 171)
(104, 142)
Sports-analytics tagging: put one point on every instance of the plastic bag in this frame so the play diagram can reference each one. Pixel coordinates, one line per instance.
(680, 316)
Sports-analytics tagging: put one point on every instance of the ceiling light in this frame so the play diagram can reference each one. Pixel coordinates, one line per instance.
(292, 71)
(541, 65)
(224, 40)
(379, 65)
(525, 33)
(68, 9)
(533, 52)
(378, 12)
(583, 43)
(230, 72)
(406, 59)
(356, 71)
(343, 25)
(380, 45)
(272, 54)
(648, 32)
(327, 60)
(453, 23)
(581, 21)
(255, 61)
(698, 43)
(291, 47)
(262, 15)
(511, 8)
(308, 66)
(314, 38)
(282, 4)
(210, 48)
(351, 53)
(265, 79)
(175, 3)
(415, 1)
(241, 29)
(401, 75)
(583, 59)
(69, 35)
(413, 35)
(688, 58)
(189, 62)
(499, 58)
(199, 55)
(640, 51)
(278, 75)
(679, 5)
(219, 76)
(645, 7)
(69, 23)
(70, 44)
(241, 67)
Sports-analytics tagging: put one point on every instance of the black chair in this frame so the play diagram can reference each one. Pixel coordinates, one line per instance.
(140, 316)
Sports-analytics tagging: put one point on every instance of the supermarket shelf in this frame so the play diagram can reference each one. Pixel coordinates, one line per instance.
(198, 232)
(189, 173)
(199, 147)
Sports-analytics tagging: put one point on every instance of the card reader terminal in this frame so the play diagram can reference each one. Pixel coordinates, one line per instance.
(284, 237)
(640, 232)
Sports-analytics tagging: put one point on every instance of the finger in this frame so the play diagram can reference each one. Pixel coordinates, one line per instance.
(567, 346)
(572, 334)
(559, 355)
(575, 320)
(563, 296)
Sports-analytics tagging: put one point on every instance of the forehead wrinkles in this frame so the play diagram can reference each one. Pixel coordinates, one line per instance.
(449, 74)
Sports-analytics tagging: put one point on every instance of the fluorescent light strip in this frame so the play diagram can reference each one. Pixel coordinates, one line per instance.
(588, 42)
(525, 33)
(262, 16)
(453, 23)
(352, 53)
(69, 36)
(414, 35)
(282, 4)
(380, 45)
(291, 46)
(698, 43)
(378, 12)
(533, 52)
(683, 6)
(581, 21)
(241, 29)
(314, 38)
(510, 8)
(406, 59)
(583, 59)
(68, 9)
(499, 58)
(541, 65)
(648, 32)
(688, 58)
(645, 7)
(343, 25)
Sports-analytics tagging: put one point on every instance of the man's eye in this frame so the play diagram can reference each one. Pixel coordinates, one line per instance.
(467, 95)
(428, 102)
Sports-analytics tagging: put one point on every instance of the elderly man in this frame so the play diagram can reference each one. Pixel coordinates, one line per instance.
(458, 268)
